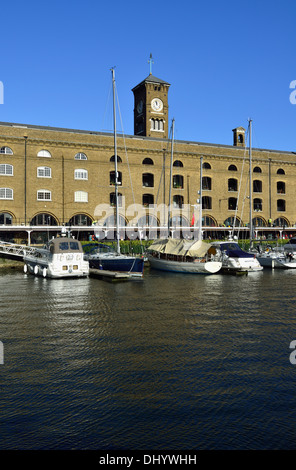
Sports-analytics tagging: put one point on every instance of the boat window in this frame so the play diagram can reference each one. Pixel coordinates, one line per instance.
(64, 246)
(74, 246)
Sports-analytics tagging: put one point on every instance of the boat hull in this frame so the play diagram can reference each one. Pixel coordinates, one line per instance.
(47, 269)
(120, 264)
(195, 267)
(276, 262)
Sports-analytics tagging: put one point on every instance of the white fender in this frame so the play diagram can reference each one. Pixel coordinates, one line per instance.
(44, 272)
(36, 269)
(25, 268)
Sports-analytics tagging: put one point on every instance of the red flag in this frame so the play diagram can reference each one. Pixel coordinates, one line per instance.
(192, 221)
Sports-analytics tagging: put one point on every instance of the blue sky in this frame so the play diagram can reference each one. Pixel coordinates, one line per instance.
(226, 62)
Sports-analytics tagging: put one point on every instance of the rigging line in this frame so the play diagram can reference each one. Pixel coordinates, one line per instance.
(162, 172)
(126, 155)
(163, 168)
(107, 105)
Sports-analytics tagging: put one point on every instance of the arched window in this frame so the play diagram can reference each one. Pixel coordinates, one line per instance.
(6, 169)
(232, 184)
(81, 196)
(80, 219)
(178, 201)
(232, 168)
(147, 221)
(232, 221)
(44, 153)
(178, 182)
(44, 219)
(147, 161)
(179, 221)
(259, 222)
(6, 193)
(80, 174)
(281, 222)
(119, 160)
(281, 205)
(257, 186)
(208, 221)
(206, 183)
(6, 150)
(156, 124)
(112, 178)
(44, 172)
(206, 202)
(257, 169)
(257, 204)
(232, 201)
(5, 218)
(280, 171)
(206, 166)
(43, 195)
(281, 187)
(80, 156)
(178, 163)
(147, 199)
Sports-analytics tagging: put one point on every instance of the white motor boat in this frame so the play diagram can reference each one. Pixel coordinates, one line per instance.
(61, 257)
(234, 259)
(276, 259)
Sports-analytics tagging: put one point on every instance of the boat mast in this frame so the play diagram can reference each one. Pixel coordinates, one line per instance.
(250, 178)
(115, 160)
(200, 201)
(171, 176)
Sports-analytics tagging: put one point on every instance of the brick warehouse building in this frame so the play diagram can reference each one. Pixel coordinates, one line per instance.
(53, 176)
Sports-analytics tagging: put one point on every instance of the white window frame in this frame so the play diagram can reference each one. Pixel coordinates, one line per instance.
(43, 195)
(80, 156)
(44, 153)
(81, 196)
(80, 174)
(44, 170)
(6, 150)
(6, 193)
(6, 167)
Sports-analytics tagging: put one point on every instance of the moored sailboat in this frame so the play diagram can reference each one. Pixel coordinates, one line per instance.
(103, 261)
(180, 255)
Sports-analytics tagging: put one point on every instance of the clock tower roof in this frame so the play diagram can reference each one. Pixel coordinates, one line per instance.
(151, 79)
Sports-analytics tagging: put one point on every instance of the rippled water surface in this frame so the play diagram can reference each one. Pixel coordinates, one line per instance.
(171, 362)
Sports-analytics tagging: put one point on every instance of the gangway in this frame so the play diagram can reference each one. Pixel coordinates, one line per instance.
(14, 251)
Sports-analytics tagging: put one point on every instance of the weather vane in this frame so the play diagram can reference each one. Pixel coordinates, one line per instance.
(150, 61)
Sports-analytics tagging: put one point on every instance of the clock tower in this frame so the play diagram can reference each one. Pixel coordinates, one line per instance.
(151, 108)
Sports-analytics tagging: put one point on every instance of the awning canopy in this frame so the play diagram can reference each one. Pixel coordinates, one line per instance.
(171, 246)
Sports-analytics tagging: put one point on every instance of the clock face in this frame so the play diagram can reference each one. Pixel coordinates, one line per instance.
(140, 107)
(157, 104)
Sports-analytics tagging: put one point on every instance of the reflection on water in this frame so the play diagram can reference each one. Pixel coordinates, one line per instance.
(171, 362)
